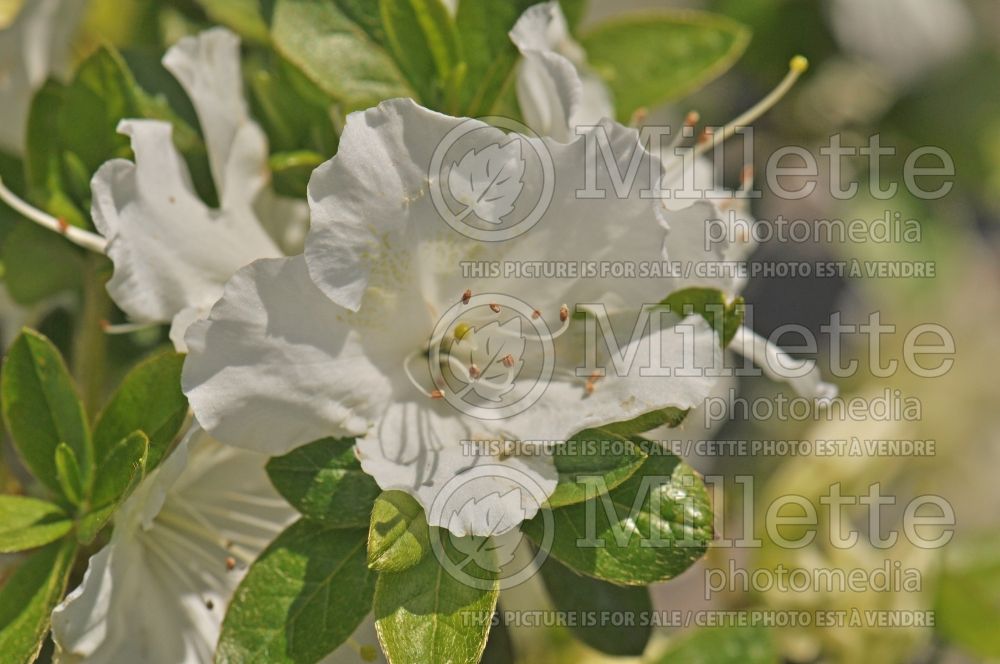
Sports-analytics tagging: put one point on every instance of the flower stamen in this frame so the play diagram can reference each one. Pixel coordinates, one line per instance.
(798, 65)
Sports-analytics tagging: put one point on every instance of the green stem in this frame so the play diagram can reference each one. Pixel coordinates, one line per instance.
(90, 344)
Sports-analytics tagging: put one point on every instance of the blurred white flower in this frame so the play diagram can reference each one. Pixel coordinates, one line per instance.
(33, 47)
(181, 544)
(905, 39)
(306, 347)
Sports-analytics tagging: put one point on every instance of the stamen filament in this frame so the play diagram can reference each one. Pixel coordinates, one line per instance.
(796, 68)
(78, 236)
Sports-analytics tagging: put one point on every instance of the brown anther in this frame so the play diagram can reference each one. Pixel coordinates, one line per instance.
(563, 313)
(63, 225)
(508, 360)
(437, 394)
(639, 116)
(591, 383)
(466, 296)
(536, 314)
(105, 324)
(495, 308)
(474, 371)
(230, 563)
(705, 136)
(746, 175)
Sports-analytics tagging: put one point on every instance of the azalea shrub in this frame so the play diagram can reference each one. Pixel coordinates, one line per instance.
(297, 381)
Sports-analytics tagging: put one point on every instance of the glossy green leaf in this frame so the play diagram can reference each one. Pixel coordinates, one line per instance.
(69, 475)
(724, 316)
(26, 523)
(590, 453)
(150, 400)
(649, 529)
(303, 597)
(336, 53)
(421, 36)
(426, 614)
(42, 409)
(324, 482)
(27, 600)
(650, 58)
(120, 470)
(666, 417)
(723, 645)
(489, 54)
(398, 535)
(628, 610)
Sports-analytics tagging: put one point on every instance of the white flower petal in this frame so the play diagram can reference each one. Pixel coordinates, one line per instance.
(555, 91)
(157, 593)
(803, 376)
(170, 251)
(208, 68)
(374, 223)
(276, 364)
(34, 45)
(689, 351)
(417, 447)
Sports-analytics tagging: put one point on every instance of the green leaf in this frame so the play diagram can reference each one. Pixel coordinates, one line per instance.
(304, 596)
(398, 536)
(150, 400)
(324, 482)
(723, 645)
(26, 523)
(243, 17)
(489, 54)
(968, 596)
(650, 58)
(121, 470)
(712, 305)
(27, 247)
(27, 600)
(594, 452)
(499, 649)
(668, 417)
(68, 474)
(293, 170)
(336, 53)
(584, 597)
(649, 529)
(424, 614)
(42, 409)
(421, 36)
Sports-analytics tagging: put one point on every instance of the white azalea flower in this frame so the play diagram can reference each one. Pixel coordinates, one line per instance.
(33, 47)
(171, 252)
(336, 341)
(557, 94)
(555, 89)
(903, 39)
(181, 544)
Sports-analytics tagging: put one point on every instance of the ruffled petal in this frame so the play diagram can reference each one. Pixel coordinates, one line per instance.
(208, 68)
(170, 251)
(277, 365)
